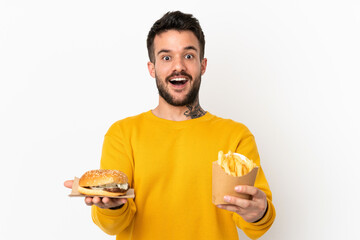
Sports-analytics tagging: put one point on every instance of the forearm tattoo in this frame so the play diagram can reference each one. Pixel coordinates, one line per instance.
(194, 111)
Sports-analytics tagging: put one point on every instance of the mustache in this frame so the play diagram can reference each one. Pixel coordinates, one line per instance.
(182, 73)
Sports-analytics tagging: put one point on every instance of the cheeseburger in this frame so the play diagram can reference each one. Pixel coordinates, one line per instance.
(103, 182)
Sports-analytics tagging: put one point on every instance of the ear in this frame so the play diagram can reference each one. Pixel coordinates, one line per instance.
(203, 66)
(151, 68)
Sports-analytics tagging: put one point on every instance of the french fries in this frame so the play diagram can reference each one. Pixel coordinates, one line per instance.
(234, 165)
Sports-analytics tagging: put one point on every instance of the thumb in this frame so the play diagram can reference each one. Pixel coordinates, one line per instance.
(68, 183)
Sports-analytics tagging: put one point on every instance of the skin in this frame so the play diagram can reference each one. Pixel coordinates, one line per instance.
(250, 210)
(177, 54)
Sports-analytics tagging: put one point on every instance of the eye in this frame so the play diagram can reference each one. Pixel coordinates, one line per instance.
(189, 56)
(166, 58)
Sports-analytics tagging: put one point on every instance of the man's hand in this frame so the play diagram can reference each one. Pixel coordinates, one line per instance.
(250, 210)
(101, 202)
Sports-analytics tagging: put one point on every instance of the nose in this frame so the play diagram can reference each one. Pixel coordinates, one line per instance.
(179, 64)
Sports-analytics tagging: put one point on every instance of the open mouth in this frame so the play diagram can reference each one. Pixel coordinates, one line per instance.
(178, 81)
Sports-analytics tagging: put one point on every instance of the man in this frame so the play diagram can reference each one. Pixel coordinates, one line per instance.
(167, 153)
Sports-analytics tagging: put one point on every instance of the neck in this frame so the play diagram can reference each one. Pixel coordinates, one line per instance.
(178, 113)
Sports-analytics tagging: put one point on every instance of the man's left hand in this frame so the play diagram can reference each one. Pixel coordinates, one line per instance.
(250, 210)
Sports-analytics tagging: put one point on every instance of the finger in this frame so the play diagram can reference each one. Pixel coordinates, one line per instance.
(253, 191)
(242, 203)
(117, 202)
(68, 183)
(121, 201)
(89, 201)
(111, 202)
(229, 207)
(105, 200)
(96, 200)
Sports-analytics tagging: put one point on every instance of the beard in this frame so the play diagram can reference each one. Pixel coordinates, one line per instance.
(190, 97)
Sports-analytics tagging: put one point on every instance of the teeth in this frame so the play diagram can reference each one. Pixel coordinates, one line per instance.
(178, 79)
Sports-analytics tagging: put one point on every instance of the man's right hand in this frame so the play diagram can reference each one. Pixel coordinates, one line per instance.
(101, 202)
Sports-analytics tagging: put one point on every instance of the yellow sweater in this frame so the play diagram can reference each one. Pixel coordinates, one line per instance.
(169, 165)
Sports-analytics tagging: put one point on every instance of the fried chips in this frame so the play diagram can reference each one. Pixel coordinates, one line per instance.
(234, 165)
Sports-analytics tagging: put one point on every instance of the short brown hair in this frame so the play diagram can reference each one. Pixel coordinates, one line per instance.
(176, 21)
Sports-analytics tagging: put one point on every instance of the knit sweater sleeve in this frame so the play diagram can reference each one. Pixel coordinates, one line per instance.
(116, 154)
(247, 147)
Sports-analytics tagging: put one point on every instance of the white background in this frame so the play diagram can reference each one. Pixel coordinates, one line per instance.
(289, 70)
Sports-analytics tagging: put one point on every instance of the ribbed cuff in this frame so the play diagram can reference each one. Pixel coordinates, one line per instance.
(266, 217)
(113, 212)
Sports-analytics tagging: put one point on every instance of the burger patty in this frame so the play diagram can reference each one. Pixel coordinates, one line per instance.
(116, 190)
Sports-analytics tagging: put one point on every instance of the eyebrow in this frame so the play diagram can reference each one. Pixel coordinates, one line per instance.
(163, 51)
(185, 48)
(191, 48)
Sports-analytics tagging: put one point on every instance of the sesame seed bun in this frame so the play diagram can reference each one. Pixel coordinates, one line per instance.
(102, 177)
